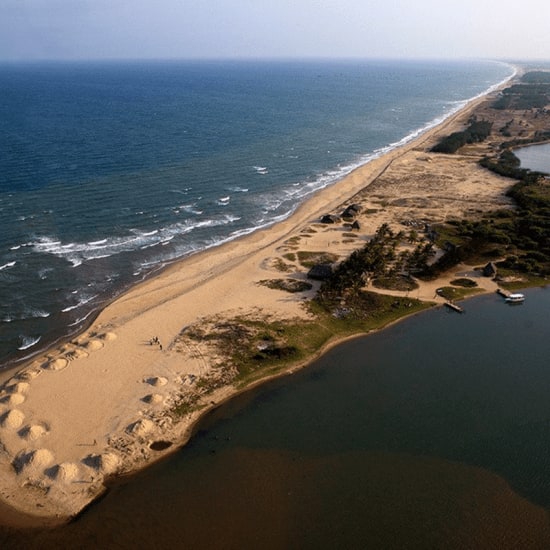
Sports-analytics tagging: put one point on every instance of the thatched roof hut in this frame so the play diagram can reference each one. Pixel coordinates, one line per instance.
(351, 211)
(490, 270)
(330, 218)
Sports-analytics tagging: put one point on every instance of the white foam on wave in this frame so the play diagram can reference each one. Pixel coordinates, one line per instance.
(35, 314)
(82, 319)
(77, 253)
(28, 341)
(262, 170)
(189, 208)
(6, 266)
(299, 191)
(83, 301)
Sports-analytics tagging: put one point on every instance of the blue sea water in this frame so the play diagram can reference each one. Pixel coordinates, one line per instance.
(110, 170)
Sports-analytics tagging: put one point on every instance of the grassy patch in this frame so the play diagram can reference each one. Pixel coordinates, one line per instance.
(309, 259)
(293, 241)
(253, 348)
(464, 282)
(282, 266)
(397, 282)
(452, 293)
(288, 285)
(290, 256)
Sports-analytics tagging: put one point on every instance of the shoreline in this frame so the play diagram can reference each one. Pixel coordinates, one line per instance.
(17, 360)
(119, 334)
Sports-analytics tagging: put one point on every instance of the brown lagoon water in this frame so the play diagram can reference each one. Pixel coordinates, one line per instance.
(434, 433)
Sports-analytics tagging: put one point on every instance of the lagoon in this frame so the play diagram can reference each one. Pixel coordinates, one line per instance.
(535, 157)
(430, 434)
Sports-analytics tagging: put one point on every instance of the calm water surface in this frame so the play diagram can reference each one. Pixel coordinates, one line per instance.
(535, 157)
(431, 434)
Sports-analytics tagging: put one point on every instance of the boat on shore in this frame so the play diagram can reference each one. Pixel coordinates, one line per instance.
(516, 298)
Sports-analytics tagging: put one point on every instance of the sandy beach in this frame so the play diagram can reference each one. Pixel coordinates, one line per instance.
(91, 407)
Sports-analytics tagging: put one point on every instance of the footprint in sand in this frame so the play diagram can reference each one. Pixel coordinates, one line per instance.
(65, 472)
(153, 399)
(12, 419)
(32, 432)
(93, 345)
(29, 373)
(12, 399)
(141, 427)
(35, 459)
(106, 463)
(56, 364)
(18, 387)
(77, 353)
(156, 381)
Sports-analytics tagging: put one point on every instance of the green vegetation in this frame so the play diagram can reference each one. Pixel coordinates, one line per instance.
(288, 285)
(520, 238)
(378, 260)
(477, 131)
(282, 266)
(464, 283)
(396, 282)
(290, 256)
(452, 294)
(532, 93)
(309, 259)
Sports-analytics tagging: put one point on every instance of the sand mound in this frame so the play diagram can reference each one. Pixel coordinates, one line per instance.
(140, 427)
(36, 459)
(107, 463)
(108, 336)
(19, 387)
(29, 374)
(66, 471)
(33, 432)
(13, 399)
(93, 345)
(12, 419)
(153, 399)
(157, 381)
(57, 364)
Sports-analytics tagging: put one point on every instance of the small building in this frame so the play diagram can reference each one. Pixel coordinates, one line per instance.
(490, 270)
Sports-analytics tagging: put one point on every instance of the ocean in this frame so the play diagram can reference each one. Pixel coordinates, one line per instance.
(111, 170)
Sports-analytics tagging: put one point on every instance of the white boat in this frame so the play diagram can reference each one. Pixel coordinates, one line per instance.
(515, 298)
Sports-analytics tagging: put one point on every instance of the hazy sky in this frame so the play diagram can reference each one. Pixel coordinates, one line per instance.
(74, 29)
